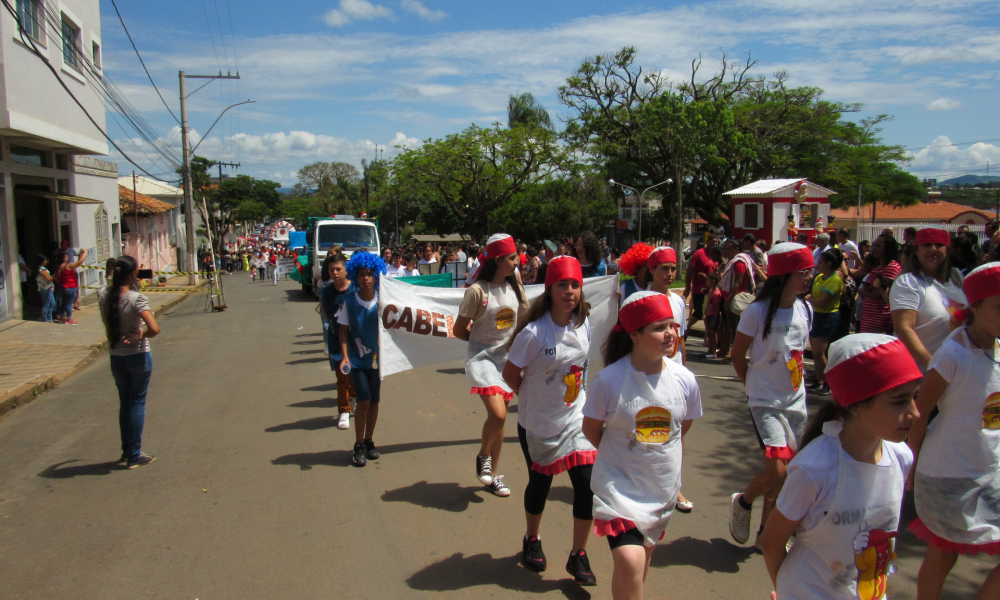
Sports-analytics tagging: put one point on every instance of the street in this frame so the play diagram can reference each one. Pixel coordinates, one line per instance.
(253, 495)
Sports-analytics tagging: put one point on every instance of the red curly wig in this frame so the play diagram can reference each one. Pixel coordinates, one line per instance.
(634, 257)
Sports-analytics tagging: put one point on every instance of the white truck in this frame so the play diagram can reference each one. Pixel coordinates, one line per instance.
(350, 233)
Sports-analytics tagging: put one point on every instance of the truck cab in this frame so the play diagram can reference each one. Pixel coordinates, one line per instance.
(350, 233)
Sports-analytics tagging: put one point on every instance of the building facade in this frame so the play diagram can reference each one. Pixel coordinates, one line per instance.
(52, 185)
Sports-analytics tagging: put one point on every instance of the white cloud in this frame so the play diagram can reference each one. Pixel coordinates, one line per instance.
(416, 7)
(944, 104)
(943, 160)
(356, 10)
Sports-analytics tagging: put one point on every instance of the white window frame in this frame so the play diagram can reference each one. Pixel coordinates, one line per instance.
(68, 19)
(38, 16)
(103, 235)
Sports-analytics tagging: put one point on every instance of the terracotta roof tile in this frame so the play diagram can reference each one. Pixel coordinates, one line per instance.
(934, 211)
(140, 203)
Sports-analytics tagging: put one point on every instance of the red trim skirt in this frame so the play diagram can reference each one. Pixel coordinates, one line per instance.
(573, 459)
(493, 390)
(926, 535)
(779, 452)
(614, 527)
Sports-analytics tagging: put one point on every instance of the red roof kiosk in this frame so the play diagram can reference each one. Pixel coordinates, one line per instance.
(773, 210)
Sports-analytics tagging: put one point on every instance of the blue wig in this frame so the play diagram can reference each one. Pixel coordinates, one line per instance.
(366, 260)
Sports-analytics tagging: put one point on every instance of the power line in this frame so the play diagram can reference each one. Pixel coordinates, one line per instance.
(957, 144)
(31, 43)
(127, 34)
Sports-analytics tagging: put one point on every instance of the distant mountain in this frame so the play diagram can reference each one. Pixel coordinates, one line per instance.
(284, 190)
(970, 179)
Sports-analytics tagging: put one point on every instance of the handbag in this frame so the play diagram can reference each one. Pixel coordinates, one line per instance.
(740, 302)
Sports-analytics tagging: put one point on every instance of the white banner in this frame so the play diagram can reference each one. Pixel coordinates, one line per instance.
(415, 322)
(286, 265)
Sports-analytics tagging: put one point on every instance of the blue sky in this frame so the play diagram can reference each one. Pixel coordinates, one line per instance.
(333, 80)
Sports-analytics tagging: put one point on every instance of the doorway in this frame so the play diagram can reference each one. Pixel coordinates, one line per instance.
(33, 227)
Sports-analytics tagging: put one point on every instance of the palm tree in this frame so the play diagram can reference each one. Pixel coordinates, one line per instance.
(524, 110)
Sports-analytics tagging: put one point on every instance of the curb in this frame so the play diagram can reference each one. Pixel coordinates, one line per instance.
(34, 388)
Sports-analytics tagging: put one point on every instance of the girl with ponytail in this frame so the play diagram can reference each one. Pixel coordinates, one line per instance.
(124, 312)
(775, 329)
(844, 490)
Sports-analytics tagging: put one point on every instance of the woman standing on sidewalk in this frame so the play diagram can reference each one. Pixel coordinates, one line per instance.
(123, 312)
(68, 285)
(45, 284)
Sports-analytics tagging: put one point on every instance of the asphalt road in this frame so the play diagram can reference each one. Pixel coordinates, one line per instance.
(253, 495)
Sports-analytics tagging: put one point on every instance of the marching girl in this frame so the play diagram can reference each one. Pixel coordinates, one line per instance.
(358, 320)
(775, 328)
(844, 490)
(633, 263)
(493, 305)
(957, 487)
(636, 409)
(546, 367)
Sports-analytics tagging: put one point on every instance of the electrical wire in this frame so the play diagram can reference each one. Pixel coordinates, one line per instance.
(31, 44)
(949, 145)
(143, 63)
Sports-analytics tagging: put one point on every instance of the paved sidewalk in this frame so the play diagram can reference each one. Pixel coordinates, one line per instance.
(35, 356)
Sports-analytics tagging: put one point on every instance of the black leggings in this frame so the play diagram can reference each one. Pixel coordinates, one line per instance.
(537, 491)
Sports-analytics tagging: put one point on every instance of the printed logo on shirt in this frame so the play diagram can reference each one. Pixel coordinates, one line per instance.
(991, 413)
(793, 360)
(362, 349)
(872, 556)
(652, 425)
(574, 381)
(505, 318)
(957, 315)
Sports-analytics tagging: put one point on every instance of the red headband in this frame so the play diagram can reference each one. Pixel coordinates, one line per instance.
(982, 282)
(872, 372)
(501, 247)
(662, 255)
(783, 263)
(563, 267)
(932, 235)
(639, 313)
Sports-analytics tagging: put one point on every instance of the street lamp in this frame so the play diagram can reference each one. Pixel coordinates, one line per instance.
(641, 195)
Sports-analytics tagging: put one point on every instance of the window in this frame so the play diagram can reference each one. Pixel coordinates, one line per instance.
(62, 186)
(750, 216)
(71, 43)
(101, 227)
(627, 214)
(96, 54)
(62, 162)
(30, 14)
(23, 155)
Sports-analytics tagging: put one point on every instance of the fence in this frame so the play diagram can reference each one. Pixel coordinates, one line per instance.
(869, 231)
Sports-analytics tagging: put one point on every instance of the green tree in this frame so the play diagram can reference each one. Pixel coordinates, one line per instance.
(333, 188)
(523, 110)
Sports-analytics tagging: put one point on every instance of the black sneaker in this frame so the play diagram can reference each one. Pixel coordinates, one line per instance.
(370, 450)
(823, 390)
(532, 555)
(360, 459)
(122, 459)
(484, 469)
(578, 566)
(143, 460)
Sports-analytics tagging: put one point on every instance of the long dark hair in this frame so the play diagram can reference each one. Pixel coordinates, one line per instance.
(617, 346)
(890, 249)
(124, 267)
(591, 249)
(488, 270)
(771, 293)
(828, 412)
(40, 263)
(541, 306)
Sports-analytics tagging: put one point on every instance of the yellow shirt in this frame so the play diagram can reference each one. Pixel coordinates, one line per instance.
(832, 285)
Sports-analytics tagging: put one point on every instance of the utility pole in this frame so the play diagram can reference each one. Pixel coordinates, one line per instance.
(680, 217)
(192, 260)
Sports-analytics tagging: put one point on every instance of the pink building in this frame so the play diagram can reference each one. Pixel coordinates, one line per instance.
(146, 229)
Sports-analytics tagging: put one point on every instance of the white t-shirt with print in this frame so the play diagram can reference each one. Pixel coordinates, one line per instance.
(935, 304)
(770, 375)
(605, 390)
(399, 271)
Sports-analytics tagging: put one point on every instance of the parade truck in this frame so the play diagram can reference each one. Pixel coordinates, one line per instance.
(322, 233)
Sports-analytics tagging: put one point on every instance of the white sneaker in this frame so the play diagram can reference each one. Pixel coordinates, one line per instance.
(344, 421)
(497, 487)
(739, 520)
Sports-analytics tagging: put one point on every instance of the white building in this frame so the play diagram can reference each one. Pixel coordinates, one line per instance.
(51, 186)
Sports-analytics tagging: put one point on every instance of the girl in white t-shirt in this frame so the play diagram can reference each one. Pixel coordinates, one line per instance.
(926, 296)
(844, 490)
(775, 329)
(546, 367)
(637, 409)
(957, 483)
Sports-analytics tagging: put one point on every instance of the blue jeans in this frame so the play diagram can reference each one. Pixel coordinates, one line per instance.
(48, 304)
(132, 374)
(66, 298)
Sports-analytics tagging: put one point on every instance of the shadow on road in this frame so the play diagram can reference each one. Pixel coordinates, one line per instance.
(307, 342)
(458, 371)
(320, 351)
(442, 496)
(303, 361)
(300, 296)
(305, 424)
(320, 334)
(712, 556)
(342, 458)
(326, 387)
(459, 572)
(321, 403)
(58, 471)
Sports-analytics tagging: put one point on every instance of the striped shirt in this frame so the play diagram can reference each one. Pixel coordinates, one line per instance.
(875, 315)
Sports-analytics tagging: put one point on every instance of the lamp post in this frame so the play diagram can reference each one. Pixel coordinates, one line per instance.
(640, 195)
